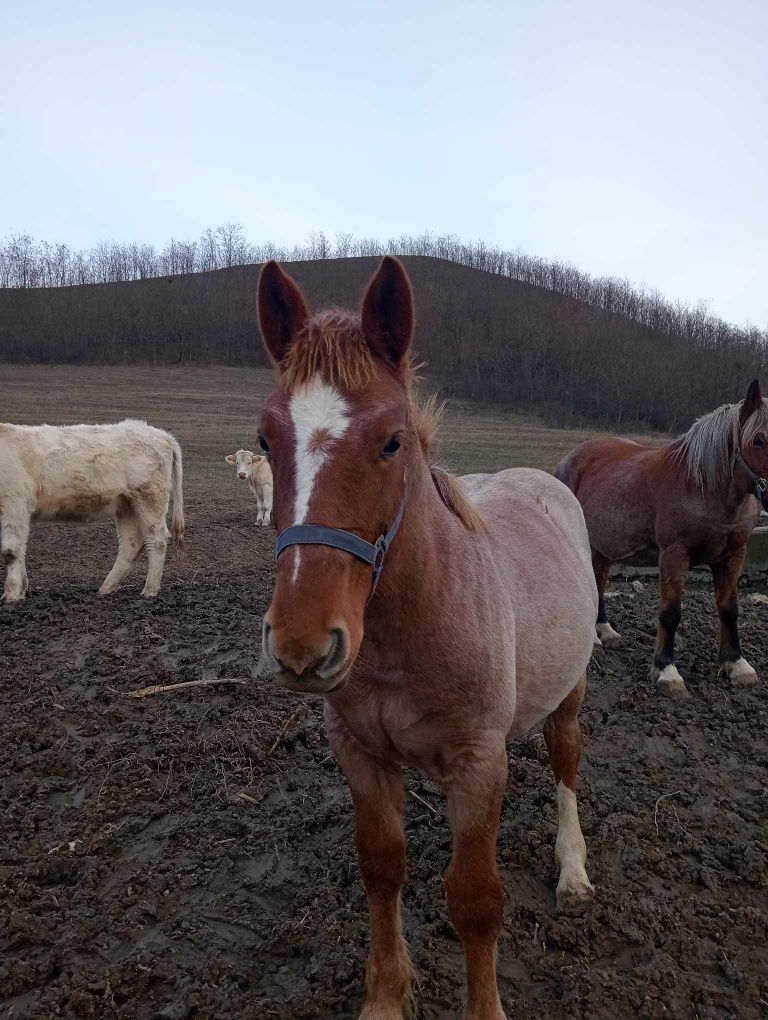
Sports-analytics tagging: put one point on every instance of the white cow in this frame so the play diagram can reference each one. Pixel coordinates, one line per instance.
(127, 471)
(256, 469)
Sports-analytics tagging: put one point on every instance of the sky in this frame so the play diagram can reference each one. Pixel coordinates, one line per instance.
(630, 139)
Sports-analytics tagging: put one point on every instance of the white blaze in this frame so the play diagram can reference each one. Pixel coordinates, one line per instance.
(316, 409)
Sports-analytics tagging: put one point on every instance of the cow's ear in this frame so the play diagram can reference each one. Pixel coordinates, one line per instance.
(387, 313)
(231, 458)
(751, 402)
(257, 458)
(282, 310)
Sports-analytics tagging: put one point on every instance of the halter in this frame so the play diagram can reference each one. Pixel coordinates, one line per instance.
(317, 534)
(759, 484)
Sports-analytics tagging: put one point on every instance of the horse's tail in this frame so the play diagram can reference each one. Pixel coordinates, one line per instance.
(177, 493)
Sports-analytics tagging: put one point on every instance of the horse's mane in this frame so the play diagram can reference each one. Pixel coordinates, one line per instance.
(707, 448)
(331, 345)
(426, 421)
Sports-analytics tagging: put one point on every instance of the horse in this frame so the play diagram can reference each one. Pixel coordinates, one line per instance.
(437, 616)
(687, 504)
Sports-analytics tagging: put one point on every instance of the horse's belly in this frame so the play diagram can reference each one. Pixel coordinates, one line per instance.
(648, 557)
(82, 508)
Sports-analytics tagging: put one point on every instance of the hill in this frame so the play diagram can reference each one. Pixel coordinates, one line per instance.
(482, 335)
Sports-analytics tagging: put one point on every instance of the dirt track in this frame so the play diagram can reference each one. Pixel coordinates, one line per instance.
(156, 861)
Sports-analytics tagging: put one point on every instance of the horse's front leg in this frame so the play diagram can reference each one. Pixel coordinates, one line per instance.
(473, 887)
(673, 570)
(380, 839)
(732, 663)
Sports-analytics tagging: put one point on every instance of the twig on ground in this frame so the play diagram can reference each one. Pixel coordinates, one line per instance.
(421, 800)
(146, 692)
(284, 729)
(245, 796)
(664, 796)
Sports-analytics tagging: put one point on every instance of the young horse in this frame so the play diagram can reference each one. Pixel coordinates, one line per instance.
(679, 506)
(480, 625)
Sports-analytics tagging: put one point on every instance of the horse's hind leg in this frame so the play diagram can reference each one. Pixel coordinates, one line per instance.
(732, 663)
(14, 528)
(129, 545)
(606, 635)
(673, 570)
(563, 736)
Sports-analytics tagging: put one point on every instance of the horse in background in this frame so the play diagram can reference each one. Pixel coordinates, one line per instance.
(688, 504)
(438, 616)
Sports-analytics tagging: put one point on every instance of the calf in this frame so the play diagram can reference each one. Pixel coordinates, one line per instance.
(127, 471)
(256, 469)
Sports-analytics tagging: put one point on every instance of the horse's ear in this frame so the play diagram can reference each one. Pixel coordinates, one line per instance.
(282, 310)
(387, 313)
(751, 402)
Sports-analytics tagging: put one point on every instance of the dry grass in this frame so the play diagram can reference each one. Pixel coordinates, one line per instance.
(213, 411)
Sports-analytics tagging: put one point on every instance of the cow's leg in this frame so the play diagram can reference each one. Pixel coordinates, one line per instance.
(268, 509)
(606, 635)
(14, 528)
(154, 532)
(673, 570)
(260, 511)
(732, 663)
(472, 884)
(380, 840)
(129, 545)
(563, 737)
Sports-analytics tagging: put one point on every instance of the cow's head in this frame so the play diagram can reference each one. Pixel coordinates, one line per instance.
(246, 461)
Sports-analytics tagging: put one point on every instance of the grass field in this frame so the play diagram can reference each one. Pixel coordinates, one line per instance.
(213, 411)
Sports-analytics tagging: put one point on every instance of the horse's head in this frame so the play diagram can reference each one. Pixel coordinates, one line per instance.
(753, 440)
(338, 435)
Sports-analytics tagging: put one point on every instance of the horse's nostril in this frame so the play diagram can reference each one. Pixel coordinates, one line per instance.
(337, 654)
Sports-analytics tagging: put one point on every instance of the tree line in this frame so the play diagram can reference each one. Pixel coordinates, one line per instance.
(493, 324)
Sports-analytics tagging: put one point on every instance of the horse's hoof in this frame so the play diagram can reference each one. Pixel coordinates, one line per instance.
(608, 637)
(740, 673)
(150, 594)
(669, 683)
(574, 899)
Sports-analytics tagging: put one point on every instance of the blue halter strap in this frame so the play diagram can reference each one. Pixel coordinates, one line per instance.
(317, 534)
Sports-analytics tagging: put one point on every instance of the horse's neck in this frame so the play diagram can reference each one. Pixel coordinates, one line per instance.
(427, 574)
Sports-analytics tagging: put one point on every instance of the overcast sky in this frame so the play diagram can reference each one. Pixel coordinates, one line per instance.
(629, 138)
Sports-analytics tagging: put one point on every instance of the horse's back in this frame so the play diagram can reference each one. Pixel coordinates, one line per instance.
(541, 558)
(597, 457)
(528, 499)
(618, 483)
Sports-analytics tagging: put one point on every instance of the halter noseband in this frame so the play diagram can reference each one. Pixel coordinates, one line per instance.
(759, 484)
(317, 534)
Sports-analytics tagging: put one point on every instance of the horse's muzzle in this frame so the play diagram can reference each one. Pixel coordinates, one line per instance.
(299, 667)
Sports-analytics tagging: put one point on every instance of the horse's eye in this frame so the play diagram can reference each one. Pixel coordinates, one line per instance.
(391, 448)
(758, 441)
(263, 445)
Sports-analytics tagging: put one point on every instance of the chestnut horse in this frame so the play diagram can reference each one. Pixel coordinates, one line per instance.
(479, 626)
(677, 506)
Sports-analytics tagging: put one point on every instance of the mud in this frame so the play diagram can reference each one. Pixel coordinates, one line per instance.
(171, 857)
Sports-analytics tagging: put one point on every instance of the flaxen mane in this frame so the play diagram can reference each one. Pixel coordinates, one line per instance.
(707, 448)
(331, 345)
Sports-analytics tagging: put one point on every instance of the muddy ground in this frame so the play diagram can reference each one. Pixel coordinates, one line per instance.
(162, 858)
